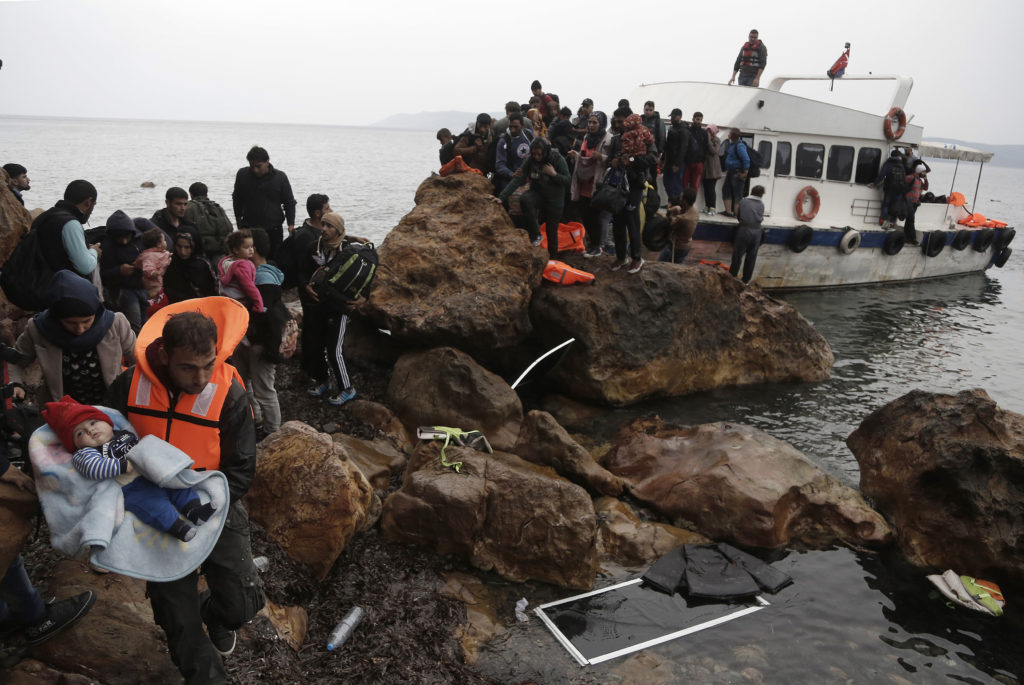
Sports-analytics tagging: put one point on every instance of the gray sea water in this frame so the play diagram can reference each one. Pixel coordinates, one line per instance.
(851, 616)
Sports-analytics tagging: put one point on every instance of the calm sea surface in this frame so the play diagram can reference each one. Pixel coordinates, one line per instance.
(850, 616)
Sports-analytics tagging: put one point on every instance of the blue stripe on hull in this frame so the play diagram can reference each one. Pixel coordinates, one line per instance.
(870, 237)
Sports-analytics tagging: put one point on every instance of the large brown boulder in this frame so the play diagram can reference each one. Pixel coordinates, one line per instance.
(671, 331)
(739, 484)
(17, 511)
(626, 539)
(543, 441)
(446, 387)
(309, 496)
(948, 472)
(499, 512)
(455, 271)
(117, 643)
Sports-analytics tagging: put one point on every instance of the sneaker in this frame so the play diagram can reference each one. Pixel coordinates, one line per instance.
(609, 250)
(342, 397)
(59, 616)
(712, 211)
(590, 254)
(536, 241)
(318, 390)
(223, 640)
(636, 266)
(619, 265)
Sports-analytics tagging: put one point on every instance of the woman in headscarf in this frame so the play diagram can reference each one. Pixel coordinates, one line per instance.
(589, 169)
(79, 343)
(712, 171)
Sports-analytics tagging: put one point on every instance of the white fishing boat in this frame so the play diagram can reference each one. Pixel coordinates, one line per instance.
(821, 216)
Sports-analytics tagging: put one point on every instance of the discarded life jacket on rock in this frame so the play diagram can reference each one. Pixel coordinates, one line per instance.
(474, 439)
(570, 237)
(563, 274)
(458, 166)
(979, 595)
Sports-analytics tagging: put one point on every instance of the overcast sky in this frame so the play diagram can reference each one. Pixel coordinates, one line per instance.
(349, 63)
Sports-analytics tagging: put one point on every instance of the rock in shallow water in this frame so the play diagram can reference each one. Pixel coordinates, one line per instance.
(739, 484)
(948, 471)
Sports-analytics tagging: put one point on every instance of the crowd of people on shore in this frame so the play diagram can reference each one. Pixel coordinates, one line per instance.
(182, 300)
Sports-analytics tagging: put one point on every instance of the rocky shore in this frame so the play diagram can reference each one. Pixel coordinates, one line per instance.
(350, 509)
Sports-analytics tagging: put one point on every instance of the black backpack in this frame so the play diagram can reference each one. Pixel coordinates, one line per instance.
(756, 161)
(348, 275)
(212, 223)
(895, 180)
(26, 275)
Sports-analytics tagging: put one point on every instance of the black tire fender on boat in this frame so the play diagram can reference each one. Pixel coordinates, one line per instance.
(894, 242)
(934, 243)
(1003, 255)
(800, 238)
(983, 239)
(1005, 238)
(850, 241)
(961, 240)
(656, 233)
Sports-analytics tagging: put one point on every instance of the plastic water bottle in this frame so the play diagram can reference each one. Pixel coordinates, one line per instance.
(261, 563)
(343, 631)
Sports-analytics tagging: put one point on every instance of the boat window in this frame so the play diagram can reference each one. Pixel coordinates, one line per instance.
(765, 148)
(783, 158)
(840, 163)
(869, 161)
(810, 160)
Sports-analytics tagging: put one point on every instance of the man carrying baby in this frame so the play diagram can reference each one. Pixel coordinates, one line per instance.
(183, 390)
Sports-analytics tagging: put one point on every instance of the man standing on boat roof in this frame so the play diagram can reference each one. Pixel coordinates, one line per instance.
(751, 61)
(263, 197)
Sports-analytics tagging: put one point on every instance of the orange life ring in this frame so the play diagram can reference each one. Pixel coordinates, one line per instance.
(801, 198)
(887, 125)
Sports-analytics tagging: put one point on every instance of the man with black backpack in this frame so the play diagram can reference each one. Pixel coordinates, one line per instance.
(210, 219)
(893, 179)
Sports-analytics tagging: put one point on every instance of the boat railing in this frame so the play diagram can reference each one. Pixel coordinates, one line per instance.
(904, 84)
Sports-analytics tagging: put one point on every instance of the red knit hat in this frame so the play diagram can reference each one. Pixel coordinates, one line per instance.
(63, 416)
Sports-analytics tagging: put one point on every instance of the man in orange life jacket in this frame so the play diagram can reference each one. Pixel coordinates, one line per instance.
(183, 390)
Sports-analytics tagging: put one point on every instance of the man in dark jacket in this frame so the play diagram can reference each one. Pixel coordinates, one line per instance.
(172, 217)
(677, 141)
(696, 152)
(61, 234)
(513, 148)
(263, 197)
(182, 387)
(548, 175)
(19, 181)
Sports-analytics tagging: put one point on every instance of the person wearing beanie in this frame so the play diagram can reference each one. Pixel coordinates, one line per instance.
(100, 452)
(677, 142)
(120, 277)
(79, 343)
(475, 142)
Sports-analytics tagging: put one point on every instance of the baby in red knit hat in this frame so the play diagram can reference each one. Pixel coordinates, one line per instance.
(101, 452)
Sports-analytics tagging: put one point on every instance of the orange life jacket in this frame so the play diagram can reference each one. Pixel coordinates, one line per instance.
(458, 166)
(560, 272)
(570, 237)
(192, 422)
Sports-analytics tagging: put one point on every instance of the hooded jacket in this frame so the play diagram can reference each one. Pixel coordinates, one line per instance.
(550, 188)
(214, 427)
(45, 339)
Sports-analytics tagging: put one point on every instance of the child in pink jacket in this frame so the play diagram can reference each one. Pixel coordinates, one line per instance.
(152, 262)
(238, 273)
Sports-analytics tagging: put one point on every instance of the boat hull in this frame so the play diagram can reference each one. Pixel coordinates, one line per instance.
(823, 265)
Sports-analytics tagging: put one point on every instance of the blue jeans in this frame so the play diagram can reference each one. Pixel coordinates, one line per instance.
(732, 189)
(153, 505)
(19, 600)
(133, 304)
(746, 80)
(673, 181)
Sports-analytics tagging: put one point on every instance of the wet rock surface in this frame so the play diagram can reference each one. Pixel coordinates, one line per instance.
(499, 512)
(672, 331)
(739, 484)
(17, 519)
(455, 271)
(543, 441)
(948, 472)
